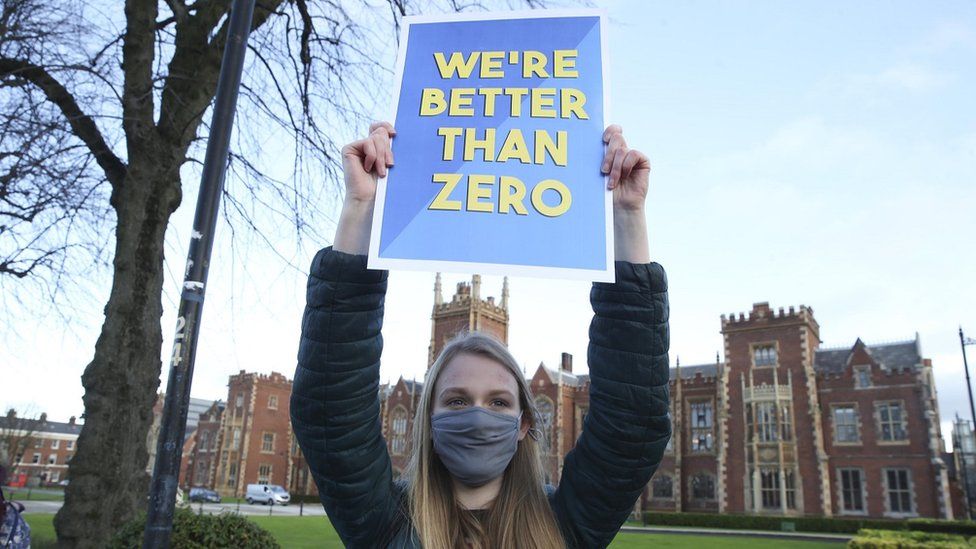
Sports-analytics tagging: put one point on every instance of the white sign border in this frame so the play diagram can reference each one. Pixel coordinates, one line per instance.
(374, 261)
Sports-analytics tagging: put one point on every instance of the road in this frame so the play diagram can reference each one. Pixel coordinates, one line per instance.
(291, 510)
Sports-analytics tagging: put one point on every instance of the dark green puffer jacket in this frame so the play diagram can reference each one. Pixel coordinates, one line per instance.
(335, 405)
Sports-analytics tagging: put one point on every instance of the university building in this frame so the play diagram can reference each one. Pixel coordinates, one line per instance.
(781, 426)
(37, 449)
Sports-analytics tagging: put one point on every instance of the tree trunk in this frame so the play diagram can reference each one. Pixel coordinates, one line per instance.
(108, 472)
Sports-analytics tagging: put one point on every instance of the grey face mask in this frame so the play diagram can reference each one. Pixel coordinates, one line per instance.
(475, 444)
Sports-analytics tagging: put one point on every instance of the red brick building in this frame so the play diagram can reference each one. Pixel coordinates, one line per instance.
(43, 448)
(202, 449)
(784, 427)
(781, 427)
(255, 438)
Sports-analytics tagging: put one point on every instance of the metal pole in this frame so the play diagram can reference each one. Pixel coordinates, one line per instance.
(958, 446)
(162, 493)
(969, 389)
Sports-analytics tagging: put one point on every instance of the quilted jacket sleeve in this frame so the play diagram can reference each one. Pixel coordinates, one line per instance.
(335, 401)
(628, 424)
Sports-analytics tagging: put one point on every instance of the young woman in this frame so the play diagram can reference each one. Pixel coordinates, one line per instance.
(475, 478)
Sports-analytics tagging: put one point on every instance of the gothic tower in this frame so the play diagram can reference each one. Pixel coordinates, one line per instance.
(466, 311)
(775, 460)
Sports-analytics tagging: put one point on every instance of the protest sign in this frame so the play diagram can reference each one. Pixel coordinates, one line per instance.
(499, 121)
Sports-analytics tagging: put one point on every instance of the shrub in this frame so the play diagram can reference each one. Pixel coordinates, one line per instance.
(192, 531)
(764, 522)
(961, 527)
(888, 539)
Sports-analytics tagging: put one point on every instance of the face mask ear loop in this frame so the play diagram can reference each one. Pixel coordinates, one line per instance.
(535, 434)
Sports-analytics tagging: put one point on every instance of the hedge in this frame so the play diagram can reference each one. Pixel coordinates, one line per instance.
(808, 524)
(193, 531)
(889, 539)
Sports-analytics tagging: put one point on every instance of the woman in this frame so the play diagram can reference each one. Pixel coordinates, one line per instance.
(475, 478)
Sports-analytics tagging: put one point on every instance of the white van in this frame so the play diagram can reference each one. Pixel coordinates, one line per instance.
(267, 493)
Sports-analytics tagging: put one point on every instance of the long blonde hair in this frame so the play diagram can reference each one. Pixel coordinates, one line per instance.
(520, 516)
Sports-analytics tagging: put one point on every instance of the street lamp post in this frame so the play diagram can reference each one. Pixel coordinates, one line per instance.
(963, 342)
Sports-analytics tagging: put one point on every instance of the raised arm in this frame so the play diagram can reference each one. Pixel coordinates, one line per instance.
(335, 400)
(628, 424)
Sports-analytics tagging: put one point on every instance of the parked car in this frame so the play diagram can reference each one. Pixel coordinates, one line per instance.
(267, 493)
(64, 482)
(205, 495)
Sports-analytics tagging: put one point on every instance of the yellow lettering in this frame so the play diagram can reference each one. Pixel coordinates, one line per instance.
(511, 195)
(472, 144)
(516, 94)
(557, 150)
(571, 101)
(515, 147)
(457, 65)
(450, 136)
(565, 198)
(564, 64)
(490, 94)
(461, 99)
(476, 192)
(441, 201)
(542, 99)
(534, 64)
(491, 64)
(432, 102)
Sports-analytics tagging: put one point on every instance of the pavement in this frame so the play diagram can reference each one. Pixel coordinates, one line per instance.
(806, 536)
(290, 510)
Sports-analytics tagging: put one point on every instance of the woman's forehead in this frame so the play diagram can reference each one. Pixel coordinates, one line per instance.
(476, 374)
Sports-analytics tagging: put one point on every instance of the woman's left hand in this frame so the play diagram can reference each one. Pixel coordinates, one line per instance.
(628, 170)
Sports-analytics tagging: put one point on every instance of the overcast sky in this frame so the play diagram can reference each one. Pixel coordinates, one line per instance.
(816, 153)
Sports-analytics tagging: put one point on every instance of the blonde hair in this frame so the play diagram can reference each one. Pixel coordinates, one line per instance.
(520, 516)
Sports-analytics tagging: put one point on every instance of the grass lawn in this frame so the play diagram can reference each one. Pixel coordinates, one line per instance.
(302, 532)
(22, 494)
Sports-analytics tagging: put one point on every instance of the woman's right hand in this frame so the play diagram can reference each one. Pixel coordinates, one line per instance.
(366, 160)
(363, 162)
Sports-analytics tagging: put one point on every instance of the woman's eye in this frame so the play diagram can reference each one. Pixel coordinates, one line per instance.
(500, 403)
(455, 402)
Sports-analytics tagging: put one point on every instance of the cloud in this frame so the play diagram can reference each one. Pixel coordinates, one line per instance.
(948, 35)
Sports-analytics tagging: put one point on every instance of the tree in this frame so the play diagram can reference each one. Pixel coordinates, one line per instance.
(102, 108)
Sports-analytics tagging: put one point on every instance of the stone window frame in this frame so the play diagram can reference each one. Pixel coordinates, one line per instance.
(911, 492)
(710, 449)
(654, 495)
(398, 440)
(55, 444)
(264, 442)
(581, 412)
(771, 473)
(762, 344)
(70, 445)
(840, 491)
(857, 423)
(36, 458)
(691, 485)
(856, 370)
(52, 459)
(548, 427)
(272, 402)
(881, 441)
(269, 476)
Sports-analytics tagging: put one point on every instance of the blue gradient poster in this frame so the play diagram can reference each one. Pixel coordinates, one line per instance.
(499, 121)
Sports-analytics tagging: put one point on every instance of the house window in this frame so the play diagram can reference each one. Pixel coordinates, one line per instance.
(201, 472)
(264, 474)
(204, 441)
(703, 487)
(267, 442)
(273, 402)
(766, 424)
(845, 424)
(399, 443)
(862, 376)
(71, 445)
(662, 488)
(36, 459)
(891, 421)
(39, 443)
(769, 488)
(789, 486)
(240, 400)
(544, 406)
(52, 459)
(764, 355)
(701, 426)
(55, 476)
(55, 444)
(237, 438)
(232, 474)
(851, 490)
(785, 425)
(898, 486)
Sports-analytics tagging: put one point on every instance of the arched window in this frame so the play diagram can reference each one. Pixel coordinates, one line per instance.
(545, 408)
(399, 422)
(661, 487)
(703, 486)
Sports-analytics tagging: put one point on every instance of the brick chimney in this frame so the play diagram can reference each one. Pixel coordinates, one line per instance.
(567, 363)
(71, 420)
(43, 418)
